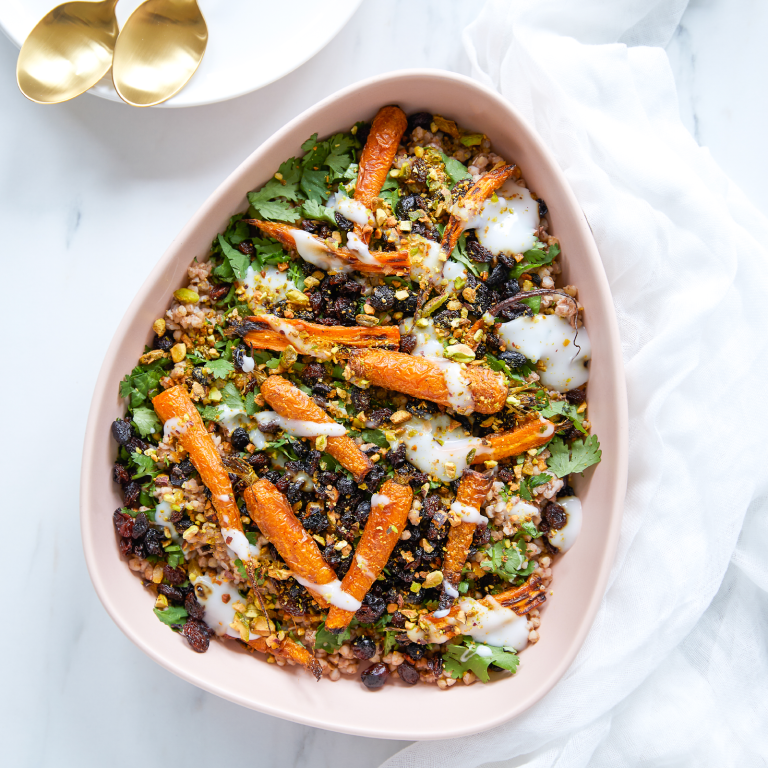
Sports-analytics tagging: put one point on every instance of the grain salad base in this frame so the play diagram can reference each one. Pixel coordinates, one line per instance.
(170, 530)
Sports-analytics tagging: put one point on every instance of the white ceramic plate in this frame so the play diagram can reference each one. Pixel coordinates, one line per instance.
(251, 43)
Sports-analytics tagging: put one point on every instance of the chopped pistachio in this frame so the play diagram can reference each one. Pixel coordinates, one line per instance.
(369, 321)
(159, 326)
(321, 442)
(186, 296)
(297, 297)
(178, 352)
(433, 579)
(460, 353)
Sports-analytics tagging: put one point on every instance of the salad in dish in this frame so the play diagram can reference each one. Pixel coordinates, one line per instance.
(349, 445)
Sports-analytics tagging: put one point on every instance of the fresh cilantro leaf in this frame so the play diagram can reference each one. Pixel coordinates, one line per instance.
(375, 436)
(250, 404)
(340, 155)
(238, 261)
(208, 412)
(295, 275)
(237, 231)
(316, 184)
(575, 458)
(313, 210)
(389, 642)
(142, 383)
(173, 614)
(536, 257)
(253, 538)
(146, 421)
(328, 463)
(564, 408)
(327, 641)
(456, 170)
(469, 656)
(517, 374)
(534, 302)
(530, 529)
(390, 192)
(529, 483)
(505, 561)
(230, 396)
(145, 465)
(220, 368)
(241, 569)
(267, 252)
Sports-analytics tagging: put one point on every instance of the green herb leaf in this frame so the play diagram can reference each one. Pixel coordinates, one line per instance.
(390, 191)
(564, 408)
(536, 257)
(250, 404)
(313, 210)
(230, 396)
(208, 412)
(456, 170)
(575, 458)
(530, 529)
(173, 614)
(460, 657)
(146, 421)
(220, 368)
(238, 261)
(241, 569)
(146, 466)
(375, 436)
(534, 302)
(505, 561)
(327, 641)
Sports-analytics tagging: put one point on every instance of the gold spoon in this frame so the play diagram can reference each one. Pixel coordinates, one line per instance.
(158, 50)
(68, 51)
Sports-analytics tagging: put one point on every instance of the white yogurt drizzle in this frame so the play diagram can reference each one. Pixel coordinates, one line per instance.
(380, 500)
(468, 515)
(266, 286)
(459, 393)
(248, 364)
(360, 249)
(238, 545)
(484, 651)
(351, 209)
(174, 427)
(550, 339)
(449, 590)
(232, 418)
(299, 428)
(332, 593)
(494, 625)
(565, 537)
(219, 614)
(441, 614)
(316, 252)
(163, 513)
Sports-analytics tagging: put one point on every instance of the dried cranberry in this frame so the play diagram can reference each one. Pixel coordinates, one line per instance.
(174, 576)
(408, 673)
(197, 634)
(478, 253)
(363, 648)
(131, 493)
(377, 417)
(123, 523)
(361, 399)
(312, 372)
(120, 474)
(194, 609)
(239, 439)
(576, 396)
(407, 344)
(375, 477)
(382, 298)
(396, 457)
(172, 593)
(374, 677)
(344, 223)
(555, 515)
(140, 525)
(121, 431)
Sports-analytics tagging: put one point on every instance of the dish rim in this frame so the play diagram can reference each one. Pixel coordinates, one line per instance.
(620, 450)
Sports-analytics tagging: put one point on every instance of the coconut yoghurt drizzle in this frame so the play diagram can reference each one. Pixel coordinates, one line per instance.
(299, 428)
(332, 593)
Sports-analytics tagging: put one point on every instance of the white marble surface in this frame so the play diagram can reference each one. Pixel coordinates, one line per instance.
(91, 193)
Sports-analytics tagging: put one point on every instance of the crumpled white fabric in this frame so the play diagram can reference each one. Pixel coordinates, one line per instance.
(675, 668)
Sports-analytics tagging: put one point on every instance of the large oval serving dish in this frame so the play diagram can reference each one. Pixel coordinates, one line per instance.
(422, 712)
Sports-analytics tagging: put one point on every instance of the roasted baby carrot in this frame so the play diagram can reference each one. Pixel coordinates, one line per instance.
(291, 403)
(523, 599)
(473, 201)
(380, 149)
(466, 389)
(272, 512)
(389, 512)
(288, 649)
(321, 341)
(532, 434)
(471, 494)
(178, 412)
(325, 256)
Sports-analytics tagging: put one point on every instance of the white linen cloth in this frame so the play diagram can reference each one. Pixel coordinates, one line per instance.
(675, 668)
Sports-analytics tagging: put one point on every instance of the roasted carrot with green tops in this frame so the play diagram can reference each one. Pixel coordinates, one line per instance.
(320, 341)
(473, 201)
(501, 445)
(176, 409)
(473, 489)
(466, 389)
(389, 513)
(330, 258)
(290, 402)
(272, 512)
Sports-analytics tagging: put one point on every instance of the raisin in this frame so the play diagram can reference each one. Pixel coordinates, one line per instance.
(239, 439)
(374, 677)
(535, 279)
(194, 609)
(515, 311)
(375, 477)
(283, 483)
(258, 461)
(337, 280)
(317, 228)
(409, 204)
(415, 651)
(171, 593)
(125, 546)
(218, 292)
(435, 665)
(246, 247)
(123, 523)
(396, 457)
(382, 299)
(361, 399)
(444, 318)
(363, 648)
(121, 431)
(328, 478)
(510, 288)
(315, 521)
(398, 620)
(555, 516)
(407, 305)
(174, 576)
(478, 253)
(344, 223)
(315, 300)
(407, 344)
(507, 260)
(420, 228)
(576, 396)
(372, 609)
(362, 511)
(513, 359)
(542, 209)
(322, 389)
(566, 490)
(422, 409)
(408, 673)
(270, 428)
(499, 275)
(140, 525)
(164, 342)
(482, 536)
(152, 542)
(346, 486)
(197, 634)
(379, 416)
(419, 120)
(120, 474)
(345, 310)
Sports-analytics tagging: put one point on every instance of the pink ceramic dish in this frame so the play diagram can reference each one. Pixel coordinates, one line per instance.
(397, 712)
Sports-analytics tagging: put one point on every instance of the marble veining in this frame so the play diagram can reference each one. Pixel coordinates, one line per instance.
(91, 193)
